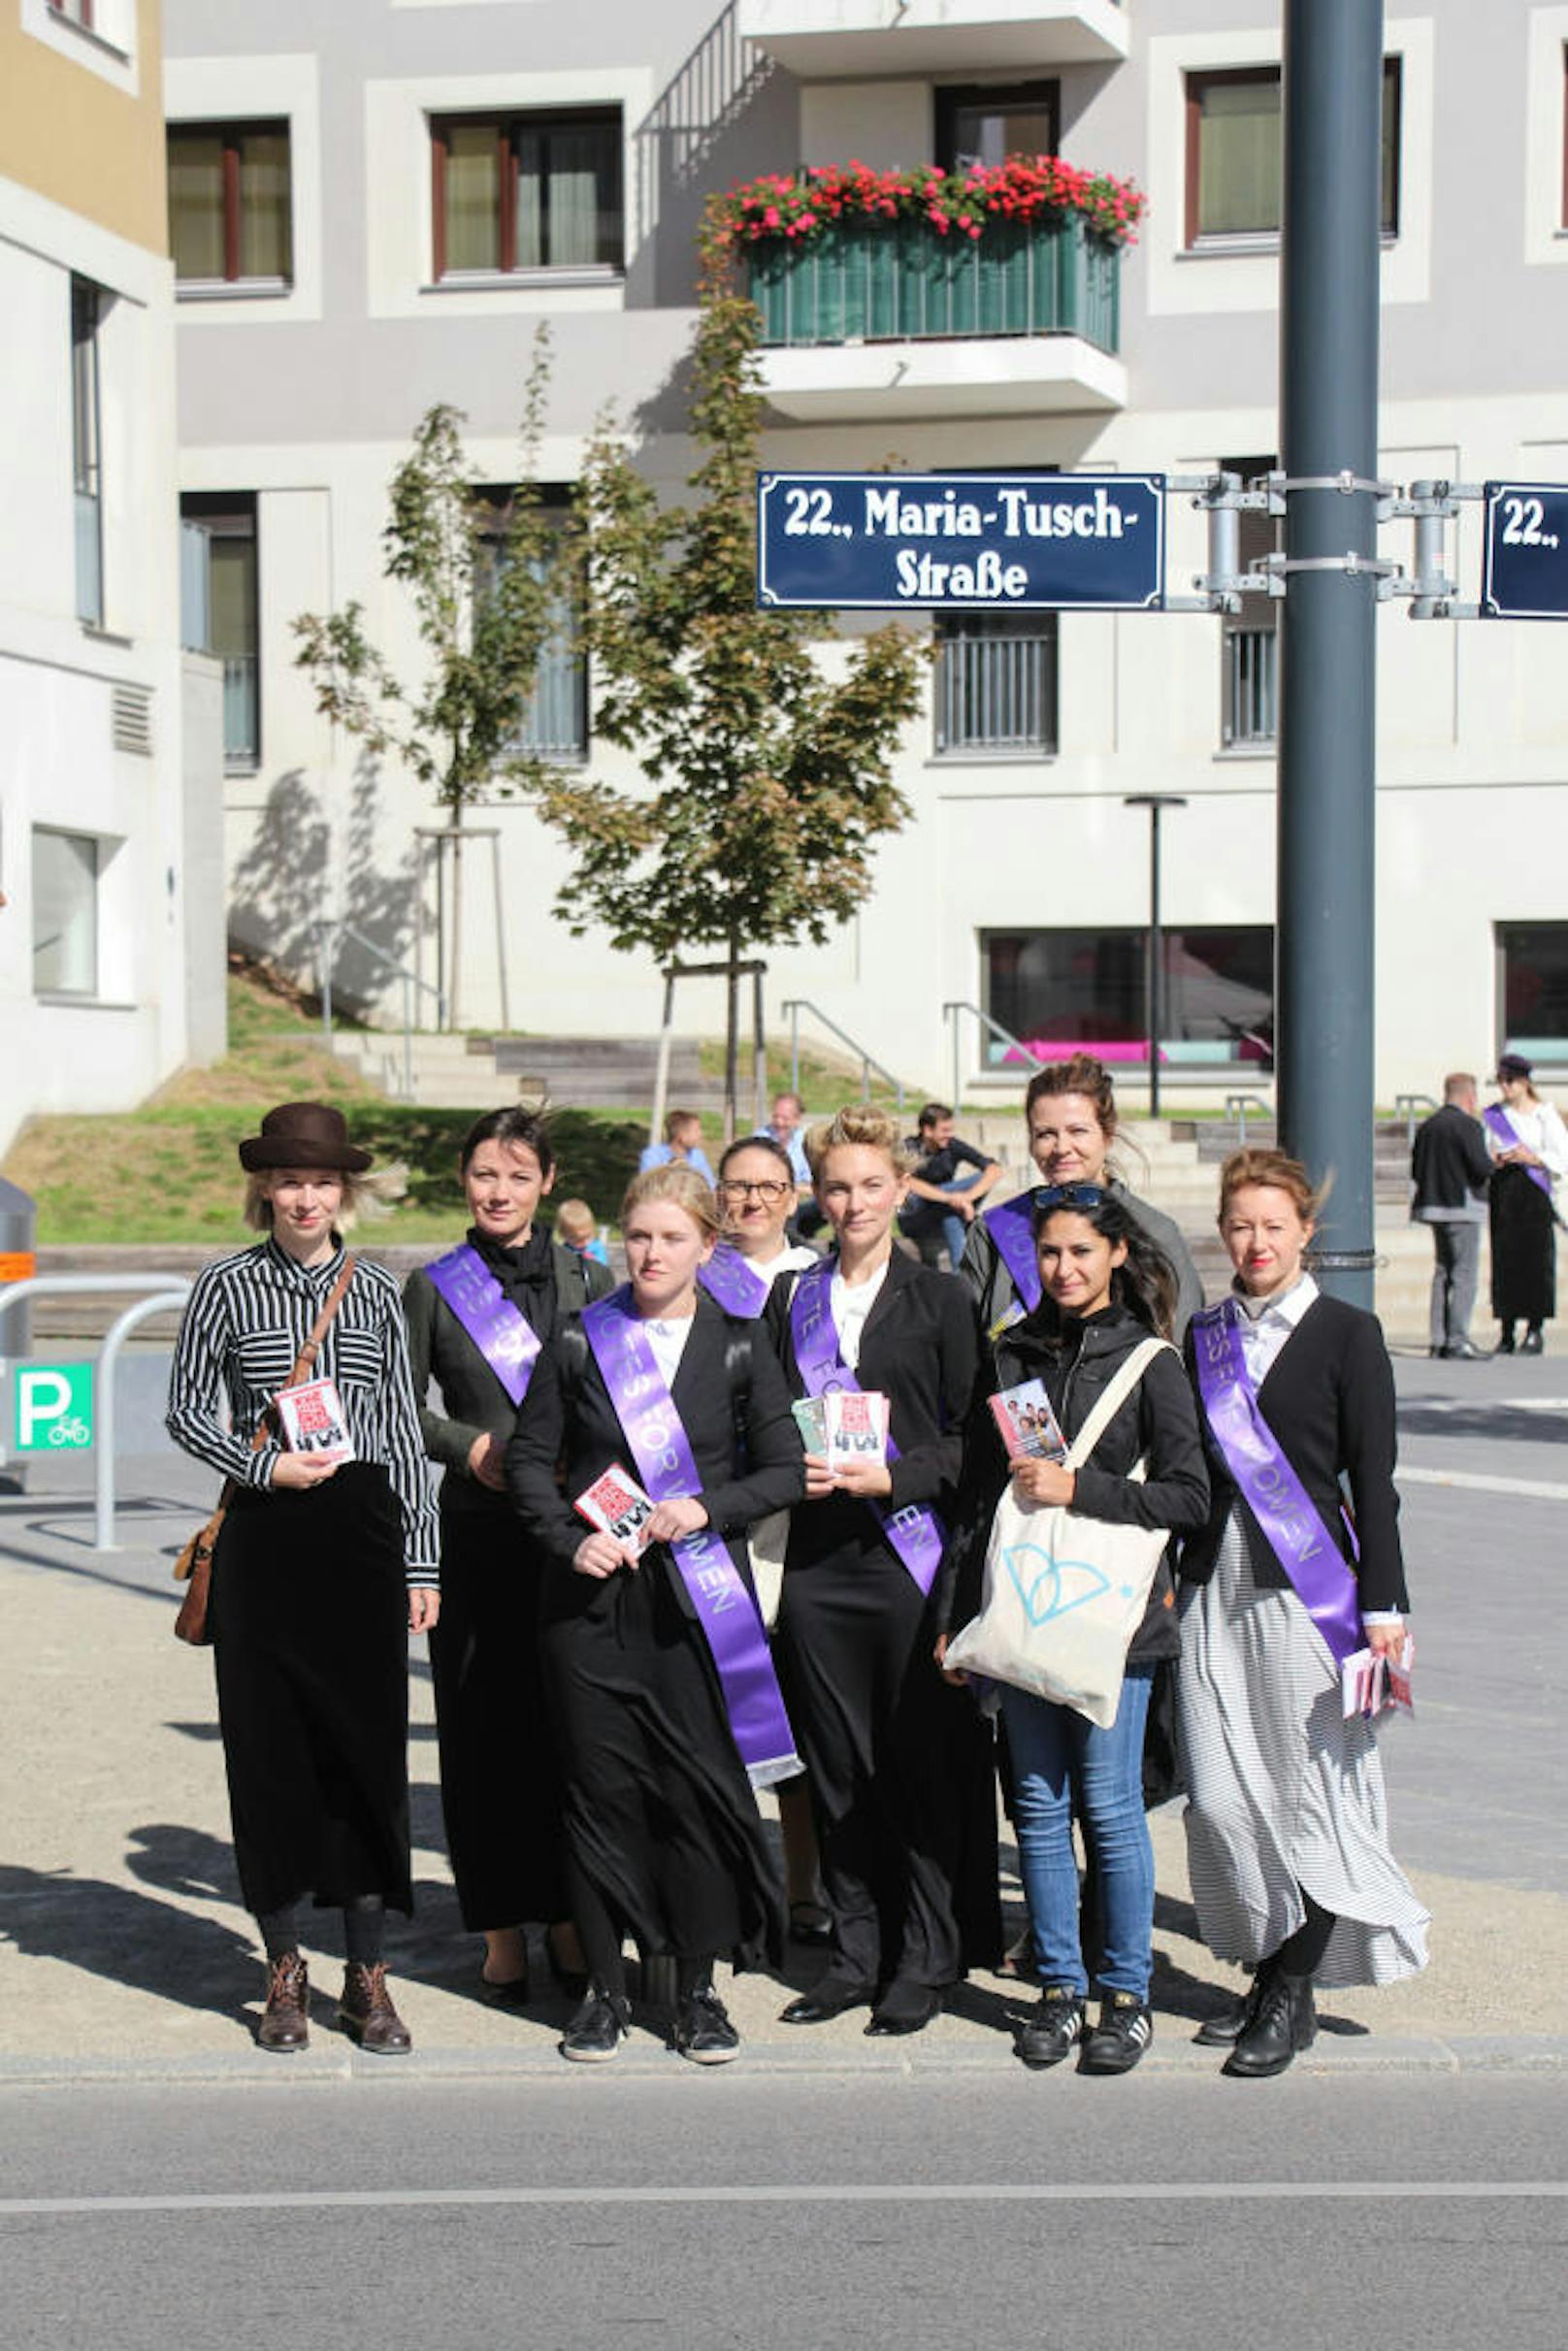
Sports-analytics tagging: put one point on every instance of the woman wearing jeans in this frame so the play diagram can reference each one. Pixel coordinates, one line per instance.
(1104, 1288)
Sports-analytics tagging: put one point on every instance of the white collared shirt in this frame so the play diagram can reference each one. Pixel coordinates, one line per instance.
(1267, 1323)
(668, 1339)
(850, 1307)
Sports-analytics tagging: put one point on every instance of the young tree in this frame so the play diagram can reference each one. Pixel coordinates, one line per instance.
(487, 585)
(768, 769)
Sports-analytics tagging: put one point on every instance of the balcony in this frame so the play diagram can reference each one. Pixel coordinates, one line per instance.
(826, 40)
(869, 319)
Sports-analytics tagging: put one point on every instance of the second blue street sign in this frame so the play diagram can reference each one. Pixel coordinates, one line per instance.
(1009, 542)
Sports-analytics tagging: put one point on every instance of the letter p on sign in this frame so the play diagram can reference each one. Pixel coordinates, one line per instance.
(54, 1407)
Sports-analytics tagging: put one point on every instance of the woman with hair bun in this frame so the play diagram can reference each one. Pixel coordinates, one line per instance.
(1287, 1826)
(1069, 1112)
(478, 1318)
(1105, 1289)
(899, 1764)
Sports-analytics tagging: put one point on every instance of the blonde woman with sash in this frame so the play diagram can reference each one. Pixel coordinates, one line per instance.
(1286, 1828)
(666, 1706)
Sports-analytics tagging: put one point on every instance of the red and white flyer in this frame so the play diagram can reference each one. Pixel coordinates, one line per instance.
(617, 1506)
(313, 1420)
(857, 1425)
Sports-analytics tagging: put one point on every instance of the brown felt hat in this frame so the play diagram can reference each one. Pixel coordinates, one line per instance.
(303, 1135)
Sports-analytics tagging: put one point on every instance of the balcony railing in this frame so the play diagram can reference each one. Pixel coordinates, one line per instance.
(1252, 673)
(242, 711)
(996, 689)
(869, 282)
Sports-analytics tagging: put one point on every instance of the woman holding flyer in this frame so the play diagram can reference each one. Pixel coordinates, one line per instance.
(1070, 1113)
(1287, 1830)
(1104, 1288)
(676, 1431)
(478, 1318)
(900, 1765)
(326, 1560)
(1529, 1146)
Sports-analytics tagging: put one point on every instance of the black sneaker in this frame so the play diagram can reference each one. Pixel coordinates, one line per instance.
(597, 2029)
(1124, 2030)
(703, 2030)
(1055, 2029)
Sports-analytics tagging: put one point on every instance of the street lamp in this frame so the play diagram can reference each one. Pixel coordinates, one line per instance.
(1154, 801)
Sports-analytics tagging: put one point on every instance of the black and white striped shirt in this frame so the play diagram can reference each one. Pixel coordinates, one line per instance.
(248, 1318)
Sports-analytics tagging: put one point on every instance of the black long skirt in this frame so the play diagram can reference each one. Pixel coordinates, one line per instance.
(501, 1792)
(1524, 1249)
(899, 1766)
(310, 1637)
(659, 1812)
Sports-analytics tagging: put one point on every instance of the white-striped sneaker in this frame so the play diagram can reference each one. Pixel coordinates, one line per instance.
(1124, 2030)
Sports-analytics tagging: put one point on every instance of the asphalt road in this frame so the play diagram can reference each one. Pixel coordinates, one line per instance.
(743, 2209)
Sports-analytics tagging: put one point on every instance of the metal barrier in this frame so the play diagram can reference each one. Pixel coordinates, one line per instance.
(1406, 1105)
(170, 1291)
(327, 937)
(1238, 1105)
(951, 1011)
(799, 1004)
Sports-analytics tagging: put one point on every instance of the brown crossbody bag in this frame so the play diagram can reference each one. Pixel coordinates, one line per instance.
(194, 1565)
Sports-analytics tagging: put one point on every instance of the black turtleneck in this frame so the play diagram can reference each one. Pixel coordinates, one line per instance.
(527, 1275)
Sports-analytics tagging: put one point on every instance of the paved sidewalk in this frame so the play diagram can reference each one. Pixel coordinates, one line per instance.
(123, 1951)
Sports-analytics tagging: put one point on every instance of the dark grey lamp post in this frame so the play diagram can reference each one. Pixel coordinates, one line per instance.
(1153, 991)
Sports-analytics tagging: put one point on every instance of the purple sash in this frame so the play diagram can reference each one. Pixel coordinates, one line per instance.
(1496, 1118)
(500, 1330)
(725, 1609)
(915, 1532)
(1012, 1226)
(1269, 1486)
(731, 1283)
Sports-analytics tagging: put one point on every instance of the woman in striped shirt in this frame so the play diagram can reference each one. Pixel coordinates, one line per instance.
(326, 1560)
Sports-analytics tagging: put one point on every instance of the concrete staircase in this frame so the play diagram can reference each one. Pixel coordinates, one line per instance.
(481, 1073)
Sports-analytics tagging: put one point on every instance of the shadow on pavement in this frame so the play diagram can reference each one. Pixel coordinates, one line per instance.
(129, 1938)
(1497, 1424)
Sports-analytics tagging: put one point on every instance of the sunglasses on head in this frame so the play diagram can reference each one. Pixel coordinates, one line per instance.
(1069, 1195)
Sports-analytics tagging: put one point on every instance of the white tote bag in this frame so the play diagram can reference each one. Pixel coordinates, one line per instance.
(1064, 1594)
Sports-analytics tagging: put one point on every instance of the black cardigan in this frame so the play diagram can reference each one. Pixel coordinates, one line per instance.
(1157, 1424)
(731, 1396)
(1328, 1398)
(921, 1348)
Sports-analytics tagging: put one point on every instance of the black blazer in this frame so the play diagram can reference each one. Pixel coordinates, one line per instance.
(736, 1411)
(1158, 1424)
(1328, 1398)
(1450, 1159)
(921, 1347)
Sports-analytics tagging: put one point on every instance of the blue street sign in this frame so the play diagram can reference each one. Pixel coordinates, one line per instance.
(1524, 573)
(993, 543)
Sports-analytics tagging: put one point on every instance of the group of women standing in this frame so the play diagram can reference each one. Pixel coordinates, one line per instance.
(611, 1696)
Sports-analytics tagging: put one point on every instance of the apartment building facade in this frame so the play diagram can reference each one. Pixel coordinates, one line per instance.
(110, 832)
(374, 207)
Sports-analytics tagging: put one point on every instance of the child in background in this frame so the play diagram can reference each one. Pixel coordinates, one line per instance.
(575, 1229)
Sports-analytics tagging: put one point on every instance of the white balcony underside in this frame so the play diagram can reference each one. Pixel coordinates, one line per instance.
(827, 40)
(972, 375)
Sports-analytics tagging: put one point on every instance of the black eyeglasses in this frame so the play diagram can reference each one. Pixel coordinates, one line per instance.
(772, 1189)
(1070, 1195)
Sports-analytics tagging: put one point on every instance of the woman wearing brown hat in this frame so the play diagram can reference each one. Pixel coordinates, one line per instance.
(326, 1559)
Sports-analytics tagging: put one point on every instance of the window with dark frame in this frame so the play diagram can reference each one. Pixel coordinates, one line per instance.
(1532, 991)
(74, 11)
(534, 191)
(1234, 152)
(986, 122)
(228, 517)
(555, 723)
(230, 204)
(1061, 989)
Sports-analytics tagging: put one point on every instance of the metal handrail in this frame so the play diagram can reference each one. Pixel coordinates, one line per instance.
(952, 1009)
(797, 1005)
(327, 934)
(1238, 1105)
(171, 1291)
(1406, 1105)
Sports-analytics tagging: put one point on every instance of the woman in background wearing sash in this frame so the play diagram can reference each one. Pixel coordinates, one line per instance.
(1529, 1144)
(472, 1317)
(1069, 1112)
(1287, 1830)
(662, 1691)
(899, 1764)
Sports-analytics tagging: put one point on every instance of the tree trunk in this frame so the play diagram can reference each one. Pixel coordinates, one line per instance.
(732, 1039)
(456, 949)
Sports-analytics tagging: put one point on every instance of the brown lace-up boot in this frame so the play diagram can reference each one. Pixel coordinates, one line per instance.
(366, 2011)
(286, 2022)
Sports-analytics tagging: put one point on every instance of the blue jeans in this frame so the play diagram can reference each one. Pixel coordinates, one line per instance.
(921, 1218)
(1061, 1764)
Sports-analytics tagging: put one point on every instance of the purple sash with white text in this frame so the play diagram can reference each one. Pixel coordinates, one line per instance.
(725, 1608)
(1012, 1226)
(500, 1330)
(915, 1532)
(1268, 1485)
(732, 1284)
(1496, 1118)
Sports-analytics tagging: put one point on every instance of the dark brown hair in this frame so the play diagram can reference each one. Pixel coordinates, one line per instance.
(1084, 1075)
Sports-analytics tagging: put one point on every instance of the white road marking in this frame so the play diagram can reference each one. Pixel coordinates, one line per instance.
(1478, 1482)
(1227, 2191)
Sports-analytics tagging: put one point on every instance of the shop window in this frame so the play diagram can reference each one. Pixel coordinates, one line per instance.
(1533, 989)
(1061, 991)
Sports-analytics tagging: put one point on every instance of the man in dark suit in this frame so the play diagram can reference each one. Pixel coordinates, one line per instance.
(1452, 1167)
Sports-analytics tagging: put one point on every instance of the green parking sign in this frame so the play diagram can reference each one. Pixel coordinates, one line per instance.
(50, 1407)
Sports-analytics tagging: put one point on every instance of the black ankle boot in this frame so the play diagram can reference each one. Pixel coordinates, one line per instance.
(1533, 1343)
(1505, 1340)
(1284, 2023)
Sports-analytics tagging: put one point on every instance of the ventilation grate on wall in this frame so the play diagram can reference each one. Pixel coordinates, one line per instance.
(131, 719)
